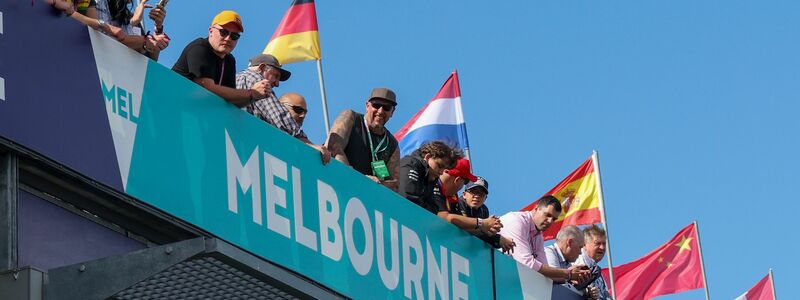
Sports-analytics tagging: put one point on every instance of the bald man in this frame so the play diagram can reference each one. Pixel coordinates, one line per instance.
(296, 105)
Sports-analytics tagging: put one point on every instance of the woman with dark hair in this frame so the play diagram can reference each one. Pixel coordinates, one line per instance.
(115, 18)
(118, 13)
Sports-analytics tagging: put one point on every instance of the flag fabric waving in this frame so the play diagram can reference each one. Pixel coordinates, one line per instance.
(761, 291)
(441, 119)
(579, 194)
(297, 36)
(671, 268)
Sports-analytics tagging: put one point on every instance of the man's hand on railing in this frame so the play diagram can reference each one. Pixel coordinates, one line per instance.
(325, 154)
(491, 225)
(507, 245)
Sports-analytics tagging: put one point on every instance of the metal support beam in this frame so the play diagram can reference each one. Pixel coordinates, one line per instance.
(8, 211)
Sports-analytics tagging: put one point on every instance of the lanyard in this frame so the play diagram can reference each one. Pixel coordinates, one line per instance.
(222, 72)
(375, 150)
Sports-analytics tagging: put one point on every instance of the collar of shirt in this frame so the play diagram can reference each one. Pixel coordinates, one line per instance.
(561, 257)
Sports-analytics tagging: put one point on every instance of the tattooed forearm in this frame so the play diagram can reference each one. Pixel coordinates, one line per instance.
(340, 134)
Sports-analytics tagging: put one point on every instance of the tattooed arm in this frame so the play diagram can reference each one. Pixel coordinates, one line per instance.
(394, 171)
(340, 135)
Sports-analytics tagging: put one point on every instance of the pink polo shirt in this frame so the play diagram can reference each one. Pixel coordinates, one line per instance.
(529, 250)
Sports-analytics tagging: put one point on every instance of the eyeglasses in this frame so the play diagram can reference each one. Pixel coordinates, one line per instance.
(297, 109)
(386, 107)
(225, 33)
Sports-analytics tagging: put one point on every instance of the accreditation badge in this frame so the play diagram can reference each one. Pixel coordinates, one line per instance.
(380, 170)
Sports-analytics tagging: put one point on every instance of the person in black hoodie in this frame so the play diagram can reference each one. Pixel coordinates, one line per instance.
(420, 171)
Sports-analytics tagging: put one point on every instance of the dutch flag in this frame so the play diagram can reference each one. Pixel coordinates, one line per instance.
(441, 119)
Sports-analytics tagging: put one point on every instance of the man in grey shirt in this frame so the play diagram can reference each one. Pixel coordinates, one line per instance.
(564, 253)
(591, 254)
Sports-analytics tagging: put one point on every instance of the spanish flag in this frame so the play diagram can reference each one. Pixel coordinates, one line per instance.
(579, 194)
(297, 36)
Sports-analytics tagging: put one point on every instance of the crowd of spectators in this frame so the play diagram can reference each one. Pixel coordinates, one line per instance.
(430, 177)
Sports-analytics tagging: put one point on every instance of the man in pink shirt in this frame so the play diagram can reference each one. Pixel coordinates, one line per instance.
(525, 229)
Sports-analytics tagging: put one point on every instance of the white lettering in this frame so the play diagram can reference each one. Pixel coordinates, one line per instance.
(355, 210)
(248, 176)
(274, 167)
(304, 235)
(412, 272)
(437, 277)
(329, 222)
(459, 265)
(390, 277)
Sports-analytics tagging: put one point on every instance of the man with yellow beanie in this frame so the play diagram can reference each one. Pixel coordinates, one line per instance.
(209, 62)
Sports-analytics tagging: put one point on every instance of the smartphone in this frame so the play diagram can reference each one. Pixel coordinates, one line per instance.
(162, 3)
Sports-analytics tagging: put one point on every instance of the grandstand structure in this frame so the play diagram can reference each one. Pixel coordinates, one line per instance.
(120, 179)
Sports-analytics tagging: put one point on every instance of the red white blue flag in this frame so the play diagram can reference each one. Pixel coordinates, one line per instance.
(761, 291)
(441, 119)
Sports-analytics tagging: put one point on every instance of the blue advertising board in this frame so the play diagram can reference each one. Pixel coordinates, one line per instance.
(136, 126)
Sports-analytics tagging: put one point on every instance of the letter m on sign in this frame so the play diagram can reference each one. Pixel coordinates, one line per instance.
(247, 175)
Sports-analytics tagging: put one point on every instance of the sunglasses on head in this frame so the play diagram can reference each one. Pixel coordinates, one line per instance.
(297, 109)
(386, 107)
(225, 33)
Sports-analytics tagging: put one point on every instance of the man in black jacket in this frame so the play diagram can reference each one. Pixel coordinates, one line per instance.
(420, 171)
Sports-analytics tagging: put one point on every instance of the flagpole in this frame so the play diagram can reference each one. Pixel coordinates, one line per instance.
(596, 163)
(461, 113)
(702, 263)
(772, 283)
(324, 98)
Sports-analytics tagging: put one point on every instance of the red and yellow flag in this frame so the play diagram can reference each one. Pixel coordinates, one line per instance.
(297, 36)
(672, 268)
(579, 194)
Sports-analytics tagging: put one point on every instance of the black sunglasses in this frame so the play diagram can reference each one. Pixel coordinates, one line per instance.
(297, 109)
(225, 33)
(386, 107)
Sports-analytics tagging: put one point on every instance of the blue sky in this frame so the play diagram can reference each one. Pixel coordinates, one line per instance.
(691, 105)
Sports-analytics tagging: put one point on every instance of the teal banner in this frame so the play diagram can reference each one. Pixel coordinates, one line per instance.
(192, 155)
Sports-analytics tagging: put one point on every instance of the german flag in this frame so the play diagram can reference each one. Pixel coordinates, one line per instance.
(579, 194)
(297, 36)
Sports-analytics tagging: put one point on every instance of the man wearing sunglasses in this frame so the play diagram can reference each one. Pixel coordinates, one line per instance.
(363, 142)
(209, 62)
(296, 105)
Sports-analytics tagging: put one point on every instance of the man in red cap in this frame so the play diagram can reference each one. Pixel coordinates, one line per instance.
(209, 62)
(450, 182)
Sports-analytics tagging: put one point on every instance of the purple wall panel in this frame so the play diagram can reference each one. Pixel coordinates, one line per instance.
(50, 236)
(53, 101)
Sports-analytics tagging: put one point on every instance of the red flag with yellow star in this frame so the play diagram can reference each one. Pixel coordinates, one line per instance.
(672, 268)
(579, 194)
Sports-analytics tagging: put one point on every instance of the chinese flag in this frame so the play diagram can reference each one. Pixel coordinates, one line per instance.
(761, 291)
(297, 36)
(672, 268)
(579, 194)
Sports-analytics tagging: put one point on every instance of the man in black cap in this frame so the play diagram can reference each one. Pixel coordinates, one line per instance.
(471, 204)
(265, 67)
(363, 142)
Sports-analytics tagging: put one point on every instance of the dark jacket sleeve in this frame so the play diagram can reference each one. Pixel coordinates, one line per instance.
(410, 183)
(493, 240)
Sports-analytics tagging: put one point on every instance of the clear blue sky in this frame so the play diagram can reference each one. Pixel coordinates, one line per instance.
(690, 104)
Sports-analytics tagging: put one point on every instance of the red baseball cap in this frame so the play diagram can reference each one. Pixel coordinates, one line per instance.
(462, 170)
